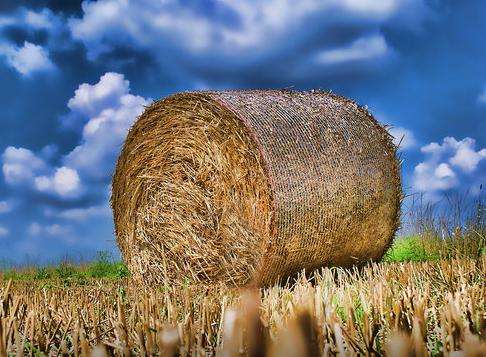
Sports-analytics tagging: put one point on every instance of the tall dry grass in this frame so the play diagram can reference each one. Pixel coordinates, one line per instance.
(436, 307)
(453, 227)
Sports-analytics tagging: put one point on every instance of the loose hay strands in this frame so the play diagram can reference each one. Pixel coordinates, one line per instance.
(246, 187)
(402, 309)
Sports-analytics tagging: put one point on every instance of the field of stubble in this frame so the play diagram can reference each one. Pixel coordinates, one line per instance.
(414, 308)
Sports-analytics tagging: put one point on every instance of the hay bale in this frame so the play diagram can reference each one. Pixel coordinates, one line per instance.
(250, 186)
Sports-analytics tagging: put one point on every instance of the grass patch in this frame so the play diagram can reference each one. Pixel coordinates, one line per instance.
(410, 249)
(419, 248)
(414, 248)
(453, 228)
(106, 267)
(103, 267)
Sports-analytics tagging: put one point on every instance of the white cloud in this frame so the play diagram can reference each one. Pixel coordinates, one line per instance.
(21, 165)
(462, 153)
(365, 48)
(447, 165)
(34, 229)
(430, 178)
(432, 148)
(110, 110)
(82, 214)
(43, 19)
(6, 21)
(31, 58)
(22, 168)
(370, 7)
(3, 232)
(56, 230)
(27, 59)
(482, 96)
(5, 207)
(443, 171)
(65, 182)
(231, 27)
(466, 157)
(53, 230)
(404, 138)
(89, 100)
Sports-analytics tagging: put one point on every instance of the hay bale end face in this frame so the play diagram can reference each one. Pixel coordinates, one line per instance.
(250, 186)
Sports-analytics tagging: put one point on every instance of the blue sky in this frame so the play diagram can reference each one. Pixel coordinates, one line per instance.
(74, 76)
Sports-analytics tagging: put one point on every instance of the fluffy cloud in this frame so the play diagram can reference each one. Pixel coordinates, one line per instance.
(3, 232)
(83, 214)
(404, 138)
(34, 229)
(31, 58)
(482, 97)
(229, 26)
(64, 182)
(27, 59)
(230, 36)
(429, 177)
(52, 230)
(20, 166)
(462, 154)
(23, 168)
(5, 207)
(44, 19)
(108, 110)
(466, 157)
(447, 165)
(176, 20)
(56, 230)
(91, 99)
(362, 49)
(41, 20)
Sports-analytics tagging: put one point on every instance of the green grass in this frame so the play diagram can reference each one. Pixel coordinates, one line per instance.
(410, 249)
(418, 248)
(414, 248)
(103, 267)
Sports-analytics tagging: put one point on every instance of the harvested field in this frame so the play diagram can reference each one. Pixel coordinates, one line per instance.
(402, 309)
(246, 187)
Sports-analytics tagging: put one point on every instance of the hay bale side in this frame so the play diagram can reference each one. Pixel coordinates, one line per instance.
(243, 186)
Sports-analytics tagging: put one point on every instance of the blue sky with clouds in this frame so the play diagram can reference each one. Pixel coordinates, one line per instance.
(75, 75)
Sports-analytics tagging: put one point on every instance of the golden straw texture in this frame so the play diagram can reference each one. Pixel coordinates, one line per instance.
(243, 187)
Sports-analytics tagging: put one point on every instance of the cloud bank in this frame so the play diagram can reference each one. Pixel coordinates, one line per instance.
(217, 40)
(447, 166)
(103, 111)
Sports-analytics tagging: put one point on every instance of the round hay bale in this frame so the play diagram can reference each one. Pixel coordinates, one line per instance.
(250, 186)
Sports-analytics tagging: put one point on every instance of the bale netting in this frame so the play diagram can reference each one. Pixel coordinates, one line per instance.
(241, 187)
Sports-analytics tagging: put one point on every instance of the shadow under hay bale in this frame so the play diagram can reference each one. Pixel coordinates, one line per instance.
(242, 187)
